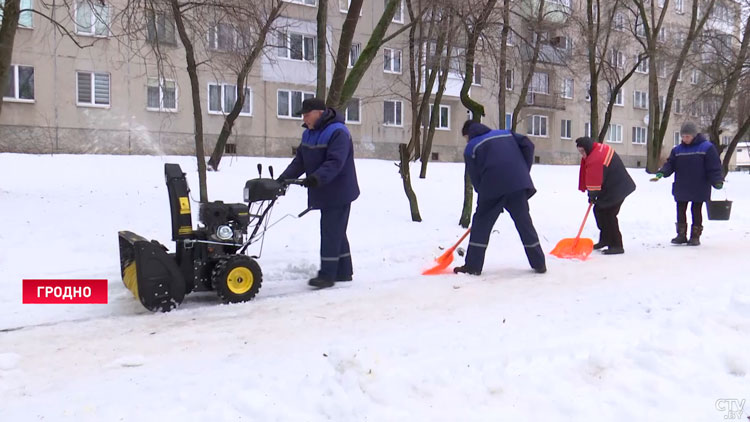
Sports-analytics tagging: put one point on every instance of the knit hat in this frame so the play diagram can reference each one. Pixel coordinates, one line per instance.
(311, 104)
(473, 129)
(688, 128)
(586, 143)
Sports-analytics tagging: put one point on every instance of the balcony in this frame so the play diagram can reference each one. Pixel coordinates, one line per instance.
(551, 101)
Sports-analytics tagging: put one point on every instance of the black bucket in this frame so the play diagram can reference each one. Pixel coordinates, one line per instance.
(719, 210)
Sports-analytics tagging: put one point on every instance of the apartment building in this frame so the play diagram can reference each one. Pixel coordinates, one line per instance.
(113, 97)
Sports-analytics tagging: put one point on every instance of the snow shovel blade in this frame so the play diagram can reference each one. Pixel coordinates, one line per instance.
(150, 273)
(573, 248)
(443, 261)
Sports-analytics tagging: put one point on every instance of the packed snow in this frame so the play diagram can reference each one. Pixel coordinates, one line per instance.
(661, 333)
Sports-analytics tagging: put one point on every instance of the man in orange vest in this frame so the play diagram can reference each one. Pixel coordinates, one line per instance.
(608, 183)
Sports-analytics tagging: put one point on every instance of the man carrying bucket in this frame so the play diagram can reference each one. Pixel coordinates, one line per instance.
(603, 175)
(696, 165)
(498, 162)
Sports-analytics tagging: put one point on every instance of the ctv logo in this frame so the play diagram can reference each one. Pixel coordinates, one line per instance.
(65, 291)
(732, 407)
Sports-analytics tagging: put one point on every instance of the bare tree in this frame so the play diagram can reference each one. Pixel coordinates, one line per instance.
(252, 28)
(320, 54)
(605, 57)
(649, 27)
(474, 17)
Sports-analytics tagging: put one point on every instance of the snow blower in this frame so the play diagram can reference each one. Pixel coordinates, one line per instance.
(210, 257)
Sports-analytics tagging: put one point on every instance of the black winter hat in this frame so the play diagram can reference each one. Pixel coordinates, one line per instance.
(311, 104)
(586, 143)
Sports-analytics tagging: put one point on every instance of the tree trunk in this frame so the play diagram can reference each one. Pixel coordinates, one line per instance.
(403, 168)
(11, 13)
(226, 129)
(342, 57)
(477, 109)
(502, 94)
(320, 54)
(532, 67)
(368, 54)
(434, 118)
(192, 69)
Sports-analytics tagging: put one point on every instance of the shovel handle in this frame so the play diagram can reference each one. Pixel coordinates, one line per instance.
(578, 236)
(460, 240)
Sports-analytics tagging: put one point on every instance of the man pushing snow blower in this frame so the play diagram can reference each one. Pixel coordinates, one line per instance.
(498, 162)
(326, 156)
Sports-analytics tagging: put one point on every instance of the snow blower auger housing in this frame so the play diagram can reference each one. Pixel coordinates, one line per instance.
(210, 257)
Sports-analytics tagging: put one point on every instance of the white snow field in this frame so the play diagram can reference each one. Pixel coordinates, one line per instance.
(661, 333)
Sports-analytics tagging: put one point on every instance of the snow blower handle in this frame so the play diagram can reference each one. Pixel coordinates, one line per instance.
(270, 170)
(260, 170)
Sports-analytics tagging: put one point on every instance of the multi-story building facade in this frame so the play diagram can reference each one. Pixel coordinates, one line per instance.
(107, 99)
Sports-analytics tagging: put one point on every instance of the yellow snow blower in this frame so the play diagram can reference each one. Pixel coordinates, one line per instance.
(210, 257)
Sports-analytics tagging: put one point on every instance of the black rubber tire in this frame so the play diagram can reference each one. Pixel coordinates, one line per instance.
(225, 280)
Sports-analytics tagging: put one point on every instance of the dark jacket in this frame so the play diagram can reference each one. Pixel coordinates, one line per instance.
(498, 162)
(696, 167)
(327, 154)
(603, 175)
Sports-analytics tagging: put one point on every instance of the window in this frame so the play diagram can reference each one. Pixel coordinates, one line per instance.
(639, 135)
(25, 18)
(617, 58)
(295, 46)
(640, 99)
(508, 120)
(614, 134)
(161, 95)
(679, 6)
(398, 17)
(662, 36)
(509, 79)
(679, 76)
(160, 27)
(20, 83)
(660, 3)
(539, 83)
(443, 120)
(305, 2)
(391, 60)
(477, 80)
(344, 5)
(567, 88)
(223, 37)
(92, 88)
(662, 103)
(221, 99)
(289, 103)
(511, 38)
(661, 68)
(695, 77)
(588, 91)
(565, 129)
(536, 125)
(725, 140)
(640, 29)
(587, 129)
(677, 138)
(677, 106)
(392, 113)
(619, 23)
(353, 111)
(619, 98)
(642, 66)
(92, 18)
(354, 53)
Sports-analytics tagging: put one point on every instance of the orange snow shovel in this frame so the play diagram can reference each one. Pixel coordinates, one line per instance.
(446, 258)
(575, 248)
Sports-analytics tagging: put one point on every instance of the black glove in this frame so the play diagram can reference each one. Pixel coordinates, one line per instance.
(311, 182)
(593, 197)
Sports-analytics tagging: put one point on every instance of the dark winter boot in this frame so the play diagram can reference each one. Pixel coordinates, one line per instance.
(599, 245)
(320, 282)
(613, 250)
(681, 238)
(695, 235)
(463, 269)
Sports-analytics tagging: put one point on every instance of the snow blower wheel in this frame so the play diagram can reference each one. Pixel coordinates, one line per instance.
(237, 278)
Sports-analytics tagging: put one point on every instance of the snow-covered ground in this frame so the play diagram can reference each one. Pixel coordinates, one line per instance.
(661, 333)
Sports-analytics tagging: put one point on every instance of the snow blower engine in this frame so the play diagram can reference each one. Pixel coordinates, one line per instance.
(211, 257)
